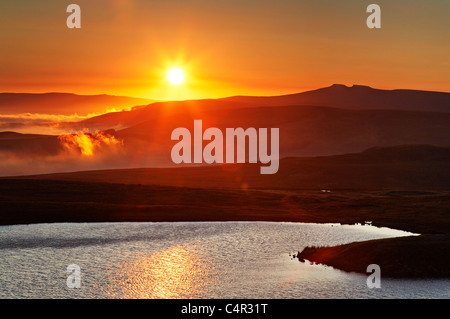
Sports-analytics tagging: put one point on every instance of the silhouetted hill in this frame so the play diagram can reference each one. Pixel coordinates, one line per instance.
(413, 167)
(28, 145)
(338, 96)
(18, 136)
(358, 97)
(159, 112)
(64, 103)
(304, 130)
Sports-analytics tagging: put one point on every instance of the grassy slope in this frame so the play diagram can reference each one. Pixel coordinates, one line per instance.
(39, 201)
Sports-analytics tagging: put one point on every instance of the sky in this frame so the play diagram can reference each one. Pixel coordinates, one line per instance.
(226, 48)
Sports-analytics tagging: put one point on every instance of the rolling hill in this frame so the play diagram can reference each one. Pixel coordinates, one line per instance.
(358, 97)
(64, 103)
(337, 120)
(414, 167)
(305, 130)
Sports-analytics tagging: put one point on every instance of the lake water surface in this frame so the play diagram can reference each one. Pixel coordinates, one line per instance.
(189, 260)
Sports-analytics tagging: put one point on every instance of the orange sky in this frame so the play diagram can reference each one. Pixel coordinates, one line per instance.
(233, 47)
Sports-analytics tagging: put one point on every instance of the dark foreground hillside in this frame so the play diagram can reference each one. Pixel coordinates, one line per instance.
(25, 201)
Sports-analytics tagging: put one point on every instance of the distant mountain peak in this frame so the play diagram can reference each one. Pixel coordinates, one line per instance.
(354, 86)
(337, 85)
(359, 86)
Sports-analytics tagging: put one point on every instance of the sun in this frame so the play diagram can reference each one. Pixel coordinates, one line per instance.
(175, 76)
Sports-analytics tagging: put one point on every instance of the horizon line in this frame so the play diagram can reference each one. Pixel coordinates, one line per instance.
(153, 100)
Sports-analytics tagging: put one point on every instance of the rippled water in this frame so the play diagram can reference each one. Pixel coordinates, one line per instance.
(189, 260)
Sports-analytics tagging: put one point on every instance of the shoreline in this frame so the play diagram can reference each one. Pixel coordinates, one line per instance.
(437, 265)
(32, 201)
(195, 221)
(410, 257)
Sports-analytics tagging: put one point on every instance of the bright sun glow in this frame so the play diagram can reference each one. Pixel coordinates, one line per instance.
(175, 76)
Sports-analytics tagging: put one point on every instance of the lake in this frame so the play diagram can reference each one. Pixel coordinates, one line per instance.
(189, 260)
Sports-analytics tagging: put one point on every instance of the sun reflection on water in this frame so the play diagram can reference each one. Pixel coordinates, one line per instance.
(176, 272)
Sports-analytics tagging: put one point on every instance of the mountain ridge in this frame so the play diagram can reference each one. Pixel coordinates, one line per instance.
(64, 103)
(358, 96)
